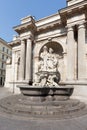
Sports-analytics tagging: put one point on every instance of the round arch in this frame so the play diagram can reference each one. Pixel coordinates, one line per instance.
(57, 47)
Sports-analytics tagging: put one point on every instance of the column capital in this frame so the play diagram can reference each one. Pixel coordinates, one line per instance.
(70, 28)
(30, 37)
(81, 25)
(22, 40)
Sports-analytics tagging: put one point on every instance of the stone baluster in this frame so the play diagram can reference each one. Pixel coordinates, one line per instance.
(22, 60)
(29, 59)
(81, 52)
(70, 54)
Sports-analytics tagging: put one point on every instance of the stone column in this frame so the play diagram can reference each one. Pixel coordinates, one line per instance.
(29, 60)
(81, 52)
(22, 61)
(70, 54)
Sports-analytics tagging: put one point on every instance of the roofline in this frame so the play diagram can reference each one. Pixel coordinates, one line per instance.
(37, 20)
(75, 6)
(5, 43)
(47, 17)
(2, 40)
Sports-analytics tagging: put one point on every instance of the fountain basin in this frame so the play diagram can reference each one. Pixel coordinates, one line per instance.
(62, 92)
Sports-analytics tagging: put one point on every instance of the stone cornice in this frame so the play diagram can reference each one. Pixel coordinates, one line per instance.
(50, 22)
(68, 0)
(71, 10)
(73, 2)
(15, 42)
(50, 25)
(75, 7)
(29, 26)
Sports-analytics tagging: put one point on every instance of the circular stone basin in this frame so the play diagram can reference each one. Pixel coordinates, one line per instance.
(58, 92)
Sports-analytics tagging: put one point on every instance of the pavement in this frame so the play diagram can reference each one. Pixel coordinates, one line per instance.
(4, 92)
(14, 123)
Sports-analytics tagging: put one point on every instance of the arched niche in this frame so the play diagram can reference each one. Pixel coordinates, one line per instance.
(58, 49)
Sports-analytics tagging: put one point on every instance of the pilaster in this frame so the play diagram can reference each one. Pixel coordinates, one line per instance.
(70, 54)
(29, 59)
(81, 52)
(22, 61)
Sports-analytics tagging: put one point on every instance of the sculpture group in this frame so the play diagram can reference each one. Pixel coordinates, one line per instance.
(47, 74)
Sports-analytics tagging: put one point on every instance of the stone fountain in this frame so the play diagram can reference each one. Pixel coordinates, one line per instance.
(46, 84)
(45, 98)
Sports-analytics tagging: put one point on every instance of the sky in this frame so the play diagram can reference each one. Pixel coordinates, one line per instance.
(11, 12)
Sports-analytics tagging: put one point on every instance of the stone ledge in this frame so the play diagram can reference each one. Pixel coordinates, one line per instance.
(73, 82)
(37, 87)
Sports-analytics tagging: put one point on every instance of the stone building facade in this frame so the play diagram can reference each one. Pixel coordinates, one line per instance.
(66, 33)
(5, 53)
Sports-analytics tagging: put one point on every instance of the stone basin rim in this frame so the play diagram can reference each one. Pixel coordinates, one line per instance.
(41, 87)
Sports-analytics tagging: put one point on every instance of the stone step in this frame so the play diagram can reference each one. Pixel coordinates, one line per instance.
(58, 109)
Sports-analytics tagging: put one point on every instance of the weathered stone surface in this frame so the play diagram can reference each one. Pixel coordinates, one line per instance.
(20, 105)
